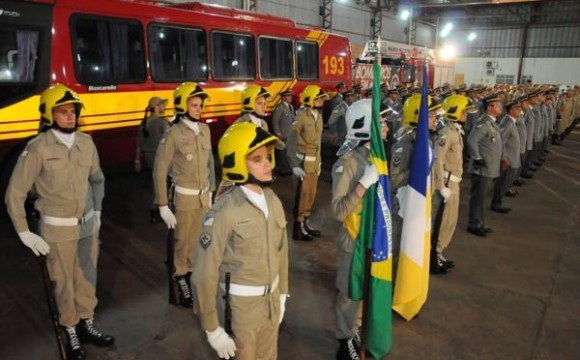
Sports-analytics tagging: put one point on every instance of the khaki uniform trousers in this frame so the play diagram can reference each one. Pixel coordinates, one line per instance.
(450, 214)
(72, 267)
(257, 344)
(348, 312)
(307, 195)
(187, 233)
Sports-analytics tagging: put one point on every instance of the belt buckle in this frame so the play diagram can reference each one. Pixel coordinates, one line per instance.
(266, 290)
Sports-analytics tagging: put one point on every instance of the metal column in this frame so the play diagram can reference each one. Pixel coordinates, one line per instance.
(326, 13)
(250, 5)
(377, 23)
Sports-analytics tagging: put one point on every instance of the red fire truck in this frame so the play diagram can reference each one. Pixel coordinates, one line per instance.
(118, 53)
(401, 63)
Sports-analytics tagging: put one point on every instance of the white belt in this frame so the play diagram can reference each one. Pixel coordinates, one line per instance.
(453, 178)
(305, 157)
(248, 290)
(69, 221)
(187, 191)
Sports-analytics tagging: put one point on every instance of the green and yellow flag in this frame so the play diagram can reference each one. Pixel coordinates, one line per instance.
(375, 235)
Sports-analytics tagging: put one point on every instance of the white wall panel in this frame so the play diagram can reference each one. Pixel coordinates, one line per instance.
(542, 70)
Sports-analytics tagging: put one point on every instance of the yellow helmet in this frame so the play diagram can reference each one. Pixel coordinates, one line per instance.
(238, 141)
(454, 106)
(185, 91)
(56, 96)
(412, 107)
(250, 95)
(311, 93)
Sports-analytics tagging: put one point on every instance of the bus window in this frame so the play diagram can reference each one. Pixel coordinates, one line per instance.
(275, 58)
(108, 51)
(177, 54)
(233, 56)
(307, 59)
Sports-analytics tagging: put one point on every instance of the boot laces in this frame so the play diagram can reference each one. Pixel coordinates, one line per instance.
(184, 288)
(91, 329)
(352, 351)
(73, 339)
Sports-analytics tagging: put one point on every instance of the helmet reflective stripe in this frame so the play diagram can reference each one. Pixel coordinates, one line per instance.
(250, 95)
(56, 96)
(185, 91)
(358, 120)
(238, 141)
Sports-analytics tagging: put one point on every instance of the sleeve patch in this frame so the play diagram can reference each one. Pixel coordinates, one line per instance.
(205, 240)
(24, 153)
(162, 141)
(339, 170)
(442, 141)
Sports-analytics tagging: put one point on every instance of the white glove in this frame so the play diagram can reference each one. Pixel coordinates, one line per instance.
(402, 197)
(283, 298)
(445, 193)
(34, 242)
(222, 343)
(370, 176)
(299, 172)
(167, 216)
(98, 219)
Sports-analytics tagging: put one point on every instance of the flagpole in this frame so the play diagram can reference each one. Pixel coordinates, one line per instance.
(368, 258)
(366, 299)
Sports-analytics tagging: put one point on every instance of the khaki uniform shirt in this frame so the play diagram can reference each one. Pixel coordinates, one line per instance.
(237, 238)
(61, 177)
(247, 117)
(448, 154)
(346, 204)
(188, 159)
(305, 139)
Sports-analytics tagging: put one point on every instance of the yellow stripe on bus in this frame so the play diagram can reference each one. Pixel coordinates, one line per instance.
(125, 109)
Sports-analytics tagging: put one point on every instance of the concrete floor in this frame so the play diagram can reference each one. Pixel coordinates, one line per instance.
(513, 295)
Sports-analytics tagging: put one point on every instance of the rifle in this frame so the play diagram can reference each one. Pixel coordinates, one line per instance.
(52, 308)
(170, 262)
(228, 308)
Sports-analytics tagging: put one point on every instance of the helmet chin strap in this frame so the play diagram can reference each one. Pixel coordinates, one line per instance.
(65, 130)
(253, 180)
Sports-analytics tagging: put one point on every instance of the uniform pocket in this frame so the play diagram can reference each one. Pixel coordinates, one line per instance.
(246, 240)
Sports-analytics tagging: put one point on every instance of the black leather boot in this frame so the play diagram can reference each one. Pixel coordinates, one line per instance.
(299, 232)
(74, 350)
(184, 290)
(311, 231)
(89, 333)
(347, 350)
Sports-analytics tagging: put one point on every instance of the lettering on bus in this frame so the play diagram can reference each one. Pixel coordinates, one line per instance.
(333, 65)
(102, 88)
